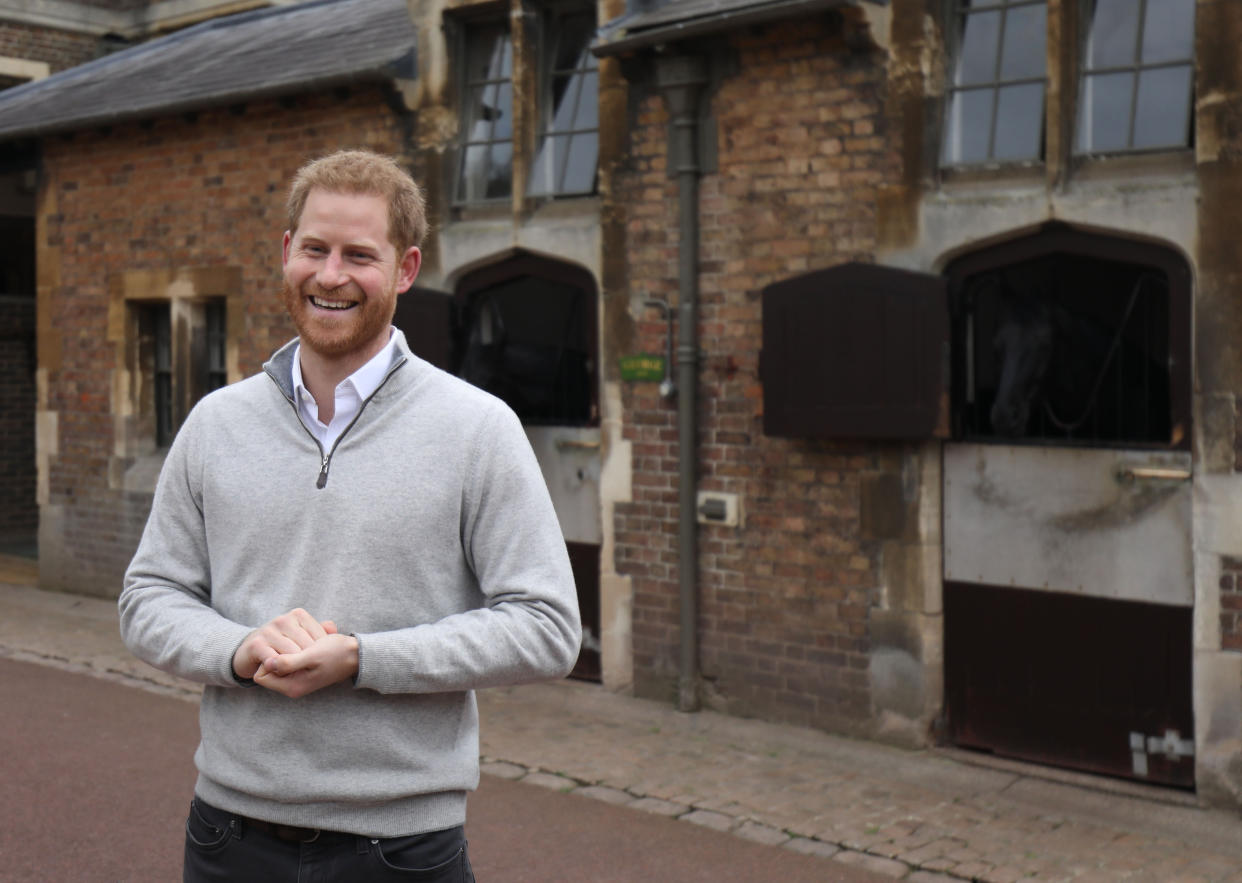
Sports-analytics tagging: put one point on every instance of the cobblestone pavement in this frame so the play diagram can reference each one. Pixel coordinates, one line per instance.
(921, 816)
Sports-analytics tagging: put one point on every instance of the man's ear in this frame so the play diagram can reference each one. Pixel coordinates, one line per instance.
(284, 249)
(407, 270)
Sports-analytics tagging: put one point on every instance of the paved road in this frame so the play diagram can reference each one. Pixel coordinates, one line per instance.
(97, 777)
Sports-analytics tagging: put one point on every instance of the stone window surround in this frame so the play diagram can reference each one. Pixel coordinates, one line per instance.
(23, 68)
(136, 459)
(529, 76)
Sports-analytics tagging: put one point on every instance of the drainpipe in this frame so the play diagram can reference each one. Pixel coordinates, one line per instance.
(682, 79)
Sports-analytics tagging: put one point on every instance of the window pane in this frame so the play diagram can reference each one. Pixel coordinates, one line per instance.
(1114, 34)
(575, 35)
(1162, 116)
(502, 112)
(564, 95)
(500, 171)
(163, 337)
(1026, 33)
(473, 167)
(500, 66)
(969, 127)
(1104, 118)
(588, 102)
(481, 99)
(216, 375)
(543, 172)
(976, 61)
(580, 170)
(1168, 31)
(487, 115)
(569, 103)
(487, 54)
(1019, 122)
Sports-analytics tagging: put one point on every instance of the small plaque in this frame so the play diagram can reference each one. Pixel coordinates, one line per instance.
(642, 367)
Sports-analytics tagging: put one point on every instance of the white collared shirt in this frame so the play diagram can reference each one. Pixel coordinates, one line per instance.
(350, 394)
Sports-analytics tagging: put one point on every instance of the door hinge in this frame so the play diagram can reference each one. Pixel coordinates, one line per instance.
(1170, 746)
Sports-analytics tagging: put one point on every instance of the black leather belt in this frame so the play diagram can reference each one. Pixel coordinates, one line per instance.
(288, 833)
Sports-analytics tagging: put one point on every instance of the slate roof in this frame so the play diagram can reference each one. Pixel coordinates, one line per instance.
(261, 54)
(666, 21)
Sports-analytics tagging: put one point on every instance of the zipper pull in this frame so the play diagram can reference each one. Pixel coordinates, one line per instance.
(323, 473)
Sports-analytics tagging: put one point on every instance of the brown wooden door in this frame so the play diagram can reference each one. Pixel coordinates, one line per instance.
(1097, 684)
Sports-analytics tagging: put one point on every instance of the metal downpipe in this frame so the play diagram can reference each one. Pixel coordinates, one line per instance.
(682, 79)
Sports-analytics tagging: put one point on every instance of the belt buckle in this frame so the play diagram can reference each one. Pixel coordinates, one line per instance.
(294, 834)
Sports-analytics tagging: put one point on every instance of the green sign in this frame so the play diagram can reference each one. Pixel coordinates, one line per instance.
(642, 367)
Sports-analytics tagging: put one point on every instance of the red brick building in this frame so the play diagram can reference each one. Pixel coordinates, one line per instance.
(38, 39)
(771, 244)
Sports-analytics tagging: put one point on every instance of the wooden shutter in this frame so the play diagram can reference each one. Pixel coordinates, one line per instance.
(856, 351)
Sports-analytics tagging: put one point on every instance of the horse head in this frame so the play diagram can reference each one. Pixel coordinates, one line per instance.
(1023, 343)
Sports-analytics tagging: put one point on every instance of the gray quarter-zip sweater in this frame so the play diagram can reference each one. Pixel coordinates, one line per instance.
(427, 531)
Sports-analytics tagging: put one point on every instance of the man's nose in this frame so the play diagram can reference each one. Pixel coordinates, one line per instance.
(331, 272)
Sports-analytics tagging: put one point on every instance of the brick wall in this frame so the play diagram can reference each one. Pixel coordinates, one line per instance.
(803, 149)
(18, 512)
(197, 191)
(60, 49)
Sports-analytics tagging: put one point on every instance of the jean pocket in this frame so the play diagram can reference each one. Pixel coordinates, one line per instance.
(402, 860)
(207, 828)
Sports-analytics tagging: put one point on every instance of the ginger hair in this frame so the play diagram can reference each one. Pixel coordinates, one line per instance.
(371, 174)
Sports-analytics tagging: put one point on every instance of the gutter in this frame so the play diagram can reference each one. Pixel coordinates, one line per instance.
(626, 41)
(683, 80)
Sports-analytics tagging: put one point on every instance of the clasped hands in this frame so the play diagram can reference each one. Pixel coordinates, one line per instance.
(296, 654)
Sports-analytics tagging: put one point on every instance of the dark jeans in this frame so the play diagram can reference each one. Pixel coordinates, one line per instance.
(220, 846)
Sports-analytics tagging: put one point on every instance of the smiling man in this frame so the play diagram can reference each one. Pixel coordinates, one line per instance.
(341, 549)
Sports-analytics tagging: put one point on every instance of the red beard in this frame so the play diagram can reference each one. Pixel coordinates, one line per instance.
(341, 333)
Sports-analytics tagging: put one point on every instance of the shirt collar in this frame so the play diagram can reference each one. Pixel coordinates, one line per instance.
(365, 380)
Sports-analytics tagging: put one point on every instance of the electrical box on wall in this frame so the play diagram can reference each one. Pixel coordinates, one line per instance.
(714, 507)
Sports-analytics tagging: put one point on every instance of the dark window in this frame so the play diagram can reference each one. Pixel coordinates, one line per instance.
(486, 161)
(1071, 339)
(529, 338)
(1138, 76)
(995, 100)
(568, 145)
(175, 371)
(155, 358)
(217, 336)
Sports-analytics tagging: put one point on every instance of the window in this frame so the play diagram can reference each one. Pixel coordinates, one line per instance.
(995, 100)
(529, 338)
(1138, 76)
(486, 170)
(568, 144)
(217, 335)
(155, 355)
(167, 393)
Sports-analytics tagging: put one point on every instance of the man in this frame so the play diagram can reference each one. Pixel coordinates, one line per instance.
(341, 548)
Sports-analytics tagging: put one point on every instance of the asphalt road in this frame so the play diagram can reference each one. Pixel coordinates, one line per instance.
(97, 777)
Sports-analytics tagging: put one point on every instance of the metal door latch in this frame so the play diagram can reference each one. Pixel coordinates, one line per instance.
(1128, 474)
(1171, 746)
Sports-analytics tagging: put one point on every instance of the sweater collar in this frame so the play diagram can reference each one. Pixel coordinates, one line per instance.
(280, 366)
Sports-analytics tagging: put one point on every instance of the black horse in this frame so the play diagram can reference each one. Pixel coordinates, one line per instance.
(1072, 376)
